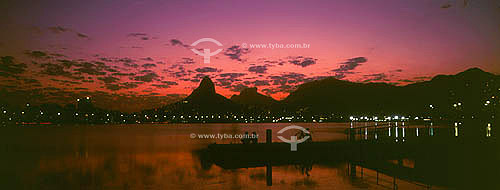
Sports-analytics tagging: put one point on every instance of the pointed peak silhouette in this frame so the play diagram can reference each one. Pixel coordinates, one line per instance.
(206, 87)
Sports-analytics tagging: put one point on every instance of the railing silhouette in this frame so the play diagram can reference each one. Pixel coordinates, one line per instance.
(391, 132)
(366, 138)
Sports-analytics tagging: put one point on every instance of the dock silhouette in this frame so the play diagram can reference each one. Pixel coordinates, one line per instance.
(439, 158)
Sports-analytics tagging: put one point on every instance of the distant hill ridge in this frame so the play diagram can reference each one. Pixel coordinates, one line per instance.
(331, 95)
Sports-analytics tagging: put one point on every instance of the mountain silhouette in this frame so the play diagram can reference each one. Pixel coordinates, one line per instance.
(471, 88)
(435, 97)
(331, 95)
(206, 88)
(251, 97)
(203, 99)
(253, 102)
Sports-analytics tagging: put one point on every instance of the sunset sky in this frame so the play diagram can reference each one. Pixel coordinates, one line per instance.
(132, 55)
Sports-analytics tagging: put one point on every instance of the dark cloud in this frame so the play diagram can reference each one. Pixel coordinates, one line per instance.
(302, 61)
(231, 83)
(75, 69)
(126, 85)
(238, 87)
(105, 59)
(30, 81)
(350, 64)
(268, 62)
(340, 75)
(176, 42)
(377, 77)
(224, 82)
(165, 84)
(111, 70)
(206, 70)
(147, 59)
(232, 75)
(197, 78)
(228, 79)
(37, 54)
(258, 69)
(288, 78)
(148, 90)
(81, 35)
(60, 30)
(132, 65)
(141, 36)
(446, 5)
(108, 79)
(187, 61)
(161, 85)
(279, 89)
(8, 67)
(169, 82)
(178, 71)
(67, 63)
(260, 83)
(315, 78)
(88, 81)
(66, 82)
(127, 62)
(147, 77)
(123, 74)
(57, 70)
(348, 67)
(286, 82)
(235, 52)
(406, 81)
(397, 70)
(91, 68)
(149, 65)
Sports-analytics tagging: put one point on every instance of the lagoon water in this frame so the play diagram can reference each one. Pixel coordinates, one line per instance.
(159, 156)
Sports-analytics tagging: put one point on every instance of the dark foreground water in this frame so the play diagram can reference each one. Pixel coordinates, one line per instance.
(158, 157)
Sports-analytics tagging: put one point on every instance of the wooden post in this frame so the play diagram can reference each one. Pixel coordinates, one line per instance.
(269, 136)
(361, 172)
(394, 185)
(352, 135)
(269, 174)
(352, 167)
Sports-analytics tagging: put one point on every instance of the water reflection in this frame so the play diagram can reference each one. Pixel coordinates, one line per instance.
(139, 157)
(164, 157)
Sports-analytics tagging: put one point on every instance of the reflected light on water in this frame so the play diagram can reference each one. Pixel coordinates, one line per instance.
(488, 130)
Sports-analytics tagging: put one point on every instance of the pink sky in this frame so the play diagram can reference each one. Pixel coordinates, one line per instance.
(400, 40)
